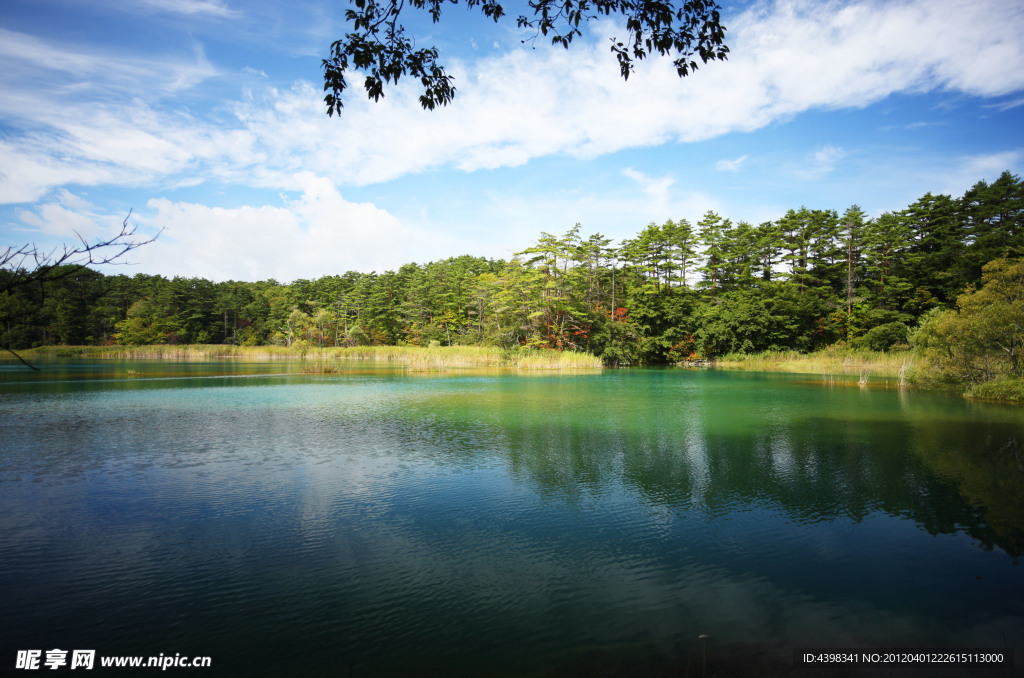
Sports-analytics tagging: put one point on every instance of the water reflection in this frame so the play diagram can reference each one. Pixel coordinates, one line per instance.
(947, 473)
(393, 525)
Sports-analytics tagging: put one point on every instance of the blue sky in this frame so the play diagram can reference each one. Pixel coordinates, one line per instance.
(206, 119)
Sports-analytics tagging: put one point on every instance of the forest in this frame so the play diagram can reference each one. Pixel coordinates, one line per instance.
(676, 291)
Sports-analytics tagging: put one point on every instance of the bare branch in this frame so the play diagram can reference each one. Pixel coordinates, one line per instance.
(23, 362)
(28, 265)
(42, 266)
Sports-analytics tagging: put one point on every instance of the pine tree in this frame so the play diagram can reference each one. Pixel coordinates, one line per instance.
(682, 251)
(826, 257)
(713, 231)
(851, 233)
(741, 263)
(937, 236)
(769, 247)
(993, 215)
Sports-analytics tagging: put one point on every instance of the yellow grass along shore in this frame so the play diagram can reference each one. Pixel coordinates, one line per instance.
(330, 359)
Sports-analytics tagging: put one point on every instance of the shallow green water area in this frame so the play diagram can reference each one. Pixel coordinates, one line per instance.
(381, 522)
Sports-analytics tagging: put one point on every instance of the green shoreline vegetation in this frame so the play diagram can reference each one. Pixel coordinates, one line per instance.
(930, 296)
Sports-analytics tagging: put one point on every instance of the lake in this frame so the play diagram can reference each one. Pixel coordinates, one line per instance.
(382, 522)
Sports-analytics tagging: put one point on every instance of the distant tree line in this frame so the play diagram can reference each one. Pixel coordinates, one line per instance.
(675, 291)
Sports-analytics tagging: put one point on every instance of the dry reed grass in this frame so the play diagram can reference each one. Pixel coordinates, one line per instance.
(162, 352)
(440, 358)
(437, 358)
(861, 363)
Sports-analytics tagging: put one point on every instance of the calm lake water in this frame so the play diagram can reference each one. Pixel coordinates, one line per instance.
(378, 522)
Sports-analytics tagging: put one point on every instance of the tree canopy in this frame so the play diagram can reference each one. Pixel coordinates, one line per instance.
(379, 47)
(675, 291)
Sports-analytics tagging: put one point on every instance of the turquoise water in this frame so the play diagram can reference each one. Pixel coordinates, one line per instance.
(379, 522)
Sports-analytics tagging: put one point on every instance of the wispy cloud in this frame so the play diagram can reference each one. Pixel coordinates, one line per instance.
(968, 170)
(68, 217)
(920, 125)
(41, 77)
(821, 162)
(658, 189)
(188, 7)
(1008, 105)
(730, 165)
(787, 58)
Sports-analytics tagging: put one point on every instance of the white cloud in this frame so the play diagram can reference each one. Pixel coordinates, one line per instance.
(69, 218)
(74, 116)
(69, 221)
(788, 57)
(730, 165)
(29, 172)
(319, 233)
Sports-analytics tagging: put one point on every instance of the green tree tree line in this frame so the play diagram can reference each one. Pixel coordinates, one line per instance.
(676, 290)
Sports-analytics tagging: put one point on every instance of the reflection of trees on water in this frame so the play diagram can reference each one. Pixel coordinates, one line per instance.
(986, 461)
(680, 448)
(960, 476)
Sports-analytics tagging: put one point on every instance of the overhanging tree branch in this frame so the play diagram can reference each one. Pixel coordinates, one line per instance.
(379, 48)
(29, 265)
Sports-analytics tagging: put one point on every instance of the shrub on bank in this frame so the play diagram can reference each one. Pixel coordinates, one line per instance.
(883, 337)
(1007, 390)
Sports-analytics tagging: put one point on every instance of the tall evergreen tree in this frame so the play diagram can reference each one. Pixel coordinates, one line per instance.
(826, 259)
(851, 233)
(682, 250)
(993, 215)
(937, 237)
(741, 263)
(769, 248)
(713, 231)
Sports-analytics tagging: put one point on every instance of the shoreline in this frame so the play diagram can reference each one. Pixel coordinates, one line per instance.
(833, 365)
(328, 359)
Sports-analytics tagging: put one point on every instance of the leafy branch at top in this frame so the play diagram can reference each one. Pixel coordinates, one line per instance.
(379, 48)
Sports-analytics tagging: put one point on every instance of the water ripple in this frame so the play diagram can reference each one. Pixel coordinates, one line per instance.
(384, 523)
